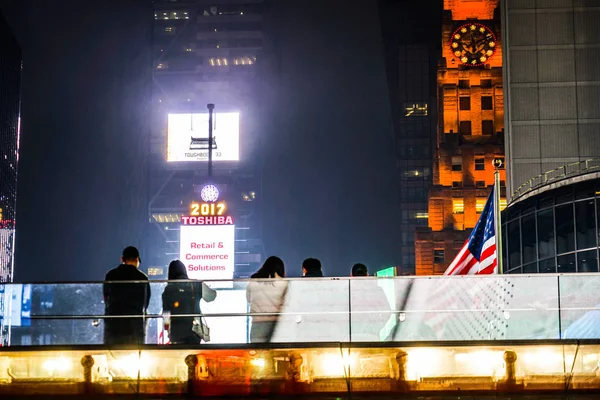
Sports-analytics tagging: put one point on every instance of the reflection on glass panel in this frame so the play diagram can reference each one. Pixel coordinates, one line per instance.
(566, 264)
(565, 230)
(514, 242)
(529, 241)
(579, 301)
(370, 303)
(586, 224)
(530, 268)
(548, 266)
(586, 261)
(315, 310)
(545, 227)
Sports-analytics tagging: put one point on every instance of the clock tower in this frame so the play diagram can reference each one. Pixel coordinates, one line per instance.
(470, 130)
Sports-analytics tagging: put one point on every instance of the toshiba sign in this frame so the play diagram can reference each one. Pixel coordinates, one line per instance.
(208, 251)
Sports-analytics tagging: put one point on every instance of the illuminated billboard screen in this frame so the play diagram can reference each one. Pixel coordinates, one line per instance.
(208, 251)
(187, 137)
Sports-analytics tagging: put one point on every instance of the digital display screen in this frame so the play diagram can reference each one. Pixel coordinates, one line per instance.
(187, 137)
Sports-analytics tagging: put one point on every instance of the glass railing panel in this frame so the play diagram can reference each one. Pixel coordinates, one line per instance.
(314, 310)
(580, 306)
(372, 301)
(476, 308)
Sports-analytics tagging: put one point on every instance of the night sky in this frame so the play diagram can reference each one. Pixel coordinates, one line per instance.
(329, 178)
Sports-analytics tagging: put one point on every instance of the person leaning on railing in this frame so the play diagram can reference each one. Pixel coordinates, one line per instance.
(267, 297)
(127, 302)
(182, 297)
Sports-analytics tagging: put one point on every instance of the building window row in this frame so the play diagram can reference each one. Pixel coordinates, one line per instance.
(479, 163)
(458, 205)
(172, 14)
(225, 62)
(553, 238)
(486, 103)
(465, 128)
(466, 84)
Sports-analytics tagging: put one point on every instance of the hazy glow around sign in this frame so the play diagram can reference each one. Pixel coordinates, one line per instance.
(187, 137)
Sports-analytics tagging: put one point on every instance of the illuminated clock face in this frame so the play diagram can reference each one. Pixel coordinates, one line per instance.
(473, 44)
(209, 193)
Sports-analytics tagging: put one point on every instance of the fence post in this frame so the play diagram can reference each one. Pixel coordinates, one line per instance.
(191, 361)
(87, 362)
(402, 361)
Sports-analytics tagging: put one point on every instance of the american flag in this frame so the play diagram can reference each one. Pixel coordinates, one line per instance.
(478, 255)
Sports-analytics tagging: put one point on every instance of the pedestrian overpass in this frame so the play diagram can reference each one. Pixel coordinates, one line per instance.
(510, 335)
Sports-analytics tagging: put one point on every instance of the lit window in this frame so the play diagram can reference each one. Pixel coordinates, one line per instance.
(480, 164)
(458, 206)
(502, 204)
(169, 29)
(162, 66)
(244, 60)
(438, 256)
(457, 163)
(421, 215)
(480, 204)
(416, 109)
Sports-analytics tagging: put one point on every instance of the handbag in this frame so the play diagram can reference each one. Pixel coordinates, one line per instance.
(199, 327)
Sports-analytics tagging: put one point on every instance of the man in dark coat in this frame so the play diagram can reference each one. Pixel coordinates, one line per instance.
(129, 299)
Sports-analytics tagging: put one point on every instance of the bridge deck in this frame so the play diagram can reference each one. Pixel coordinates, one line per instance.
(332, 369)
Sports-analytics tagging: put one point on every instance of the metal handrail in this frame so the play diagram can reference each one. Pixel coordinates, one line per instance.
(557, 174)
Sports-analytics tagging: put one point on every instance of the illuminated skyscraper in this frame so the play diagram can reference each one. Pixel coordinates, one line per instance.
(470, 130)
(10, 89)
(206, 52)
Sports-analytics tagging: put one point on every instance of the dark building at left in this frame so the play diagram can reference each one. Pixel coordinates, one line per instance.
(10, 91)
(10, 94)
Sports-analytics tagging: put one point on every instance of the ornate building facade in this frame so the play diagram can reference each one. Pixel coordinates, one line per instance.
(470, 130)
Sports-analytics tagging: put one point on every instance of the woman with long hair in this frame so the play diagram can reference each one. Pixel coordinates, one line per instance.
(183, 298)
(266, 298)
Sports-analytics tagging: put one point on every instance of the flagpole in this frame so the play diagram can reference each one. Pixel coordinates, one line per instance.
(497, 213)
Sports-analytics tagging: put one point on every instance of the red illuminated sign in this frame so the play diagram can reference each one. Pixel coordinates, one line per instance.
(216, 220)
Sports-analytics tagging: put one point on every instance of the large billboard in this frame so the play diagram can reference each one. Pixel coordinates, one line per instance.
(187, 137)
(208, 250)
